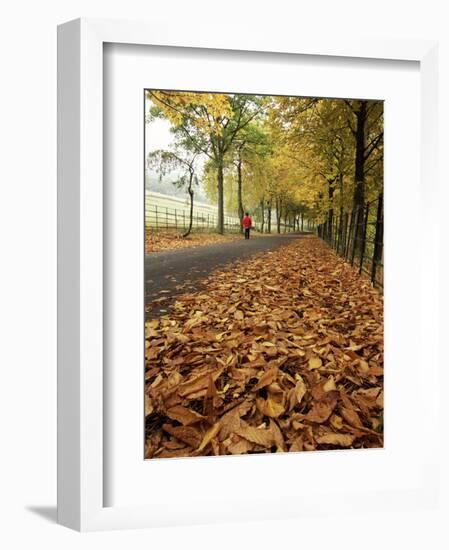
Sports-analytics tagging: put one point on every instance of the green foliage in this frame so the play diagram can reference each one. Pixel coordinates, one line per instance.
(295, 155)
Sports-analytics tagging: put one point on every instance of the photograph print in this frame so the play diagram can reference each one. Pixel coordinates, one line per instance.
(263, 274)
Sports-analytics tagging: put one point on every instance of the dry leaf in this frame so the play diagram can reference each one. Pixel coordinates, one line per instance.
(315, 362)
(273, 406)
(351, 417)
(184, 415)
(343, 440)
(330, 384)
(322, 410)
(297, 393)
(300, 316)
(336, 422)
(148, 405)
(266, 379)
(212, 432)
(261, 436)
(239, 315)
(188, 434)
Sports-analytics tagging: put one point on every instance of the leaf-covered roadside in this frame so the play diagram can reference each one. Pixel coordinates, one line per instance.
(283, 352)
(157, 241)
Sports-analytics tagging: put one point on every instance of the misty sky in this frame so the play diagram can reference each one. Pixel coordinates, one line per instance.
(158, 136)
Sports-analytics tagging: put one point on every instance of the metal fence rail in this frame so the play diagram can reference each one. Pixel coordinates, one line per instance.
(164, 218)
(362, 248)
(161, 218)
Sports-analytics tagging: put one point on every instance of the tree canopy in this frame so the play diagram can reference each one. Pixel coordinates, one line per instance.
(282, 158)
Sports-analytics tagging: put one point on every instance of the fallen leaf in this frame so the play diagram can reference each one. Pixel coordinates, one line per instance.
(261, 436)
(343, 440)
(351, 417)
(198, 383)
(297, 393)
(266, 379)
(315, 362)
(322, 410)
(188, 434)
(148, 405)
(330, 384)
(263, 358)
(336, 422)
(184, 415)
(273, 406)
(212, 432)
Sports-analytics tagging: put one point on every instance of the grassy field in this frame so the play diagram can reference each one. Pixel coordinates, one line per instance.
(163, 212)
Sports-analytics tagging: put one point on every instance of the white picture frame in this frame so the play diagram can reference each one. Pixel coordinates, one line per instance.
(81, 490)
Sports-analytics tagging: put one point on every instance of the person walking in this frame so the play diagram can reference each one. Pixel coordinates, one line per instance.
(247, 223)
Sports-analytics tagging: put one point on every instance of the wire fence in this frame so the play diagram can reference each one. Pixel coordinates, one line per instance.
(165, 219)
(161, 218)
(357, 236)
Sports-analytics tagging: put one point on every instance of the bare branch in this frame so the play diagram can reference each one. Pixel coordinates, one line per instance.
(373, 145)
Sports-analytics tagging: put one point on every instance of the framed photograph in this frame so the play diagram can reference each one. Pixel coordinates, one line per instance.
(234, 288)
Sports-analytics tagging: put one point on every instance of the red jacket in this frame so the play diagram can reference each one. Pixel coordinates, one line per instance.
(247, 222)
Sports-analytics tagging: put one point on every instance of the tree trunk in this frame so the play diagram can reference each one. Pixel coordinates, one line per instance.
(220, 217)
(345, 234)
(278, 215)
(262, 217)
(239, 192)
(330, 213)
(340, 216)
(359, 191)
(190, 190)
(378, 239)
(269, 217)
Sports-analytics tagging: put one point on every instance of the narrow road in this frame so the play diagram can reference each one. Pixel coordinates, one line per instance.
(174, 272)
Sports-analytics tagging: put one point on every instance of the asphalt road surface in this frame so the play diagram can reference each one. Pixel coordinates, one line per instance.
(173, 272)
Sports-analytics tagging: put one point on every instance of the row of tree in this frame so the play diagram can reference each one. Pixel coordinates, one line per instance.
(285, 158)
